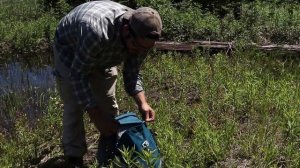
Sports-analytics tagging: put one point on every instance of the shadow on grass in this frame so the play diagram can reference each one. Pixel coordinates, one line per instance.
(56, 162)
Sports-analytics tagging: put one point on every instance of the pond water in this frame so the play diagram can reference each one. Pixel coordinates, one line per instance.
(24, 89)
(15, 78)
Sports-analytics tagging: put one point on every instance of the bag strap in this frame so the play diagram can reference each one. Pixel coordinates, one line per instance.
(128, 118)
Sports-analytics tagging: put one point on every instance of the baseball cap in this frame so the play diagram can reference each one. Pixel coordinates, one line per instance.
(145, 22)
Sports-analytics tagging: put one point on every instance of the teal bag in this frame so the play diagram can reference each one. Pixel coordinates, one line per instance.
(133, 133)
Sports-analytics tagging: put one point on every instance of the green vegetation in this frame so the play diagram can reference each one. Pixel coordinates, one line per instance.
(257, 21)
(28, 26)
(212, 110)
(24, 26)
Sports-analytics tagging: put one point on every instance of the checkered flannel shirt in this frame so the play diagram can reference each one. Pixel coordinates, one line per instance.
(87, 39)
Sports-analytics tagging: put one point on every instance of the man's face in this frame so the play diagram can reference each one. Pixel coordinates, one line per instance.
(137, 45)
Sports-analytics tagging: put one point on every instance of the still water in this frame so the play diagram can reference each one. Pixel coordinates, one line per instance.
(24, 90)
(15, 78)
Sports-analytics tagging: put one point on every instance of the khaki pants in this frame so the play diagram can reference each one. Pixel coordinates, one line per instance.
(103, 89)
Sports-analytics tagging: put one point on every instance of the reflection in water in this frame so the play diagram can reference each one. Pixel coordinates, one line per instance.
(23, 91)
(14, 78)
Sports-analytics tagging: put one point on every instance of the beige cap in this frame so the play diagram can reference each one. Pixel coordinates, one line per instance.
(145, 22)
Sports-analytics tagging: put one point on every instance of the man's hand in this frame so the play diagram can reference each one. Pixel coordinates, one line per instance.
(105, 123)
(146, 111)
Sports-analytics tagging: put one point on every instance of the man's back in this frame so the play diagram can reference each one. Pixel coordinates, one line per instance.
(94, 13)
(93, 21)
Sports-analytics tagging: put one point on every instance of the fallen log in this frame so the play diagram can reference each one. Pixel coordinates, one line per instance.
(285, 47)
(174, 46)
(228, 46)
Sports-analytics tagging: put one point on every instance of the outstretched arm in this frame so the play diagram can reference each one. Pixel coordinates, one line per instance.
(133, 86)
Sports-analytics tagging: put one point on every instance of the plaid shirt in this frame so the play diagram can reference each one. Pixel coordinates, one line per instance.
(88, 39)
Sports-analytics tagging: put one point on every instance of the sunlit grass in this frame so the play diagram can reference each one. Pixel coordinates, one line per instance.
(218, 110)
(209, 109)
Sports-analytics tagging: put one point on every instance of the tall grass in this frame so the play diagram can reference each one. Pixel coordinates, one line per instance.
(30, 131)
(211, 111)
(222, 111)
(258, 21)
(25, 26)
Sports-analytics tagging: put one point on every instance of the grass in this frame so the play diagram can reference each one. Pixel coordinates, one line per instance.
(211, 111)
